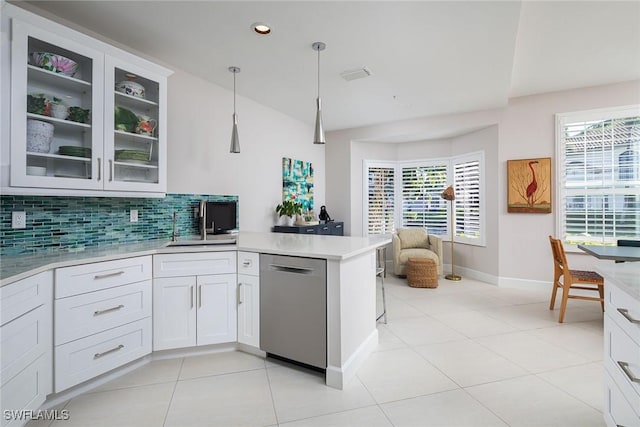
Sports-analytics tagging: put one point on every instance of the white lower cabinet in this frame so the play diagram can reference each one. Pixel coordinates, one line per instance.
(621, 356)
(194, 299)
(194, 310)
(249, 310)
(102, 318)
(25, 346)
(249, 298)
(83, 359)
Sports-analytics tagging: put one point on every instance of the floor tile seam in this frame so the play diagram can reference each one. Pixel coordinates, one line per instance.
(220, 374)
(485, 406)
(129, 387)
(273, 401)
(568, 393)
(504, 357)
(563, 347)
(388, 402)
(173, 392)
(525, 374)
(436, 367)
(331, 413)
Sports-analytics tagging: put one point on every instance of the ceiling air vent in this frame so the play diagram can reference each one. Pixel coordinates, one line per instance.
(359, 73)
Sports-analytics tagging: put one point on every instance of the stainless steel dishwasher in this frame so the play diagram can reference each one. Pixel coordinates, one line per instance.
(293, 308)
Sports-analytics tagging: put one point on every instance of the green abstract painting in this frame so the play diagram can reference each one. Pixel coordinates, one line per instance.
(297, 182)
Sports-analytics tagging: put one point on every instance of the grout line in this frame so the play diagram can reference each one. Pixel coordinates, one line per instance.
(273, 401)
(175, 386)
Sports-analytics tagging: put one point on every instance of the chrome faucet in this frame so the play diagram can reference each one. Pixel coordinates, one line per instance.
(203, 220)
(174, 234)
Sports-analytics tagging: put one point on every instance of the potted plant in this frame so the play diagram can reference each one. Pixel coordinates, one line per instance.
(287, 211)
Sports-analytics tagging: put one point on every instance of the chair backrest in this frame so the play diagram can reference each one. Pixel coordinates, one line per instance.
(635, 243)
(559, 257)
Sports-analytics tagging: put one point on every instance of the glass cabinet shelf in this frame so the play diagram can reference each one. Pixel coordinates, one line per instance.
(59, 157)
(46, 77)
(59, 122)
(135, 136)
(130, 100)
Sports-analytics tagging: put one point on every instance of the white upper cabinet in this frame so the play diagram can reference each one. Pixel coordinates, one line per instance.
(86, 117)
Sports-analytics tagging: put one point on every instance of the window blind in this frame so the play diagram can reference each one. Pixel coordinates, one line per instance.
(600, 178)
(467, 205)
(380, 199)
(422, 205)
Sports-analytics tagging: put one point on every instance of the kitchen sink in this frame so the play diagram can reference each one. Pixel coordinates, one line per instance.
(212, 242)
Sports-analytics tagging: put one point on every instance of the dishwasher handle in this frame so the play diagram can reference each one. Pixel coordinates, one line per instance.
(291, 269)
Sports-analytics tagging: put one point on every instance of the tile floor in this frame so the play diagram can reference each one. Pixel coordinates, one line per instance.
(464, 354)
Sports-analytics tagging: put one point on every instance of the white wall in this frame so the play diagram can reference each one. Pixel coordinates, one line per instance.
(199, 161)
(525, 128)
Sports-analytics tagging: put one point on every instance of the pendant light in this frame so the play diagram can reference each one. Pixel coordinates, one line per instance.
(235, 142)
(318, 135)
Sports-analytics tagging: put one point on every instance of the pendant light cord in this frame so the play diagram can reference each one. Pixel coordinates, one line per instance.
(234, 93)
(318, 73)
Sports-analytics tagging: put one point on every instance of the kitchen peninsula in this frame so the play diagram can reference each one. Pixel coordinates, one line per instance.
(351, 333)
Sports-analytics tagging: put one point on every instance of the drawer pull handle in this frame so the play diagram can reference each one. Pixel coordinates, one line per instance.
(104, 276)
(200, 295)
(247, 263)
(239, 294)
(192, 296)
(625, 368)
(310, 230)
(108, 310)
(104, 353)
(291, 269)
(627, 316)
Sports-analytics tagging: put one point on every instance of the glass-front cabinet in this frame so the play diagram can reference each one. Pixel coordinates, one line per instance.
(84, 118)
(134, 128)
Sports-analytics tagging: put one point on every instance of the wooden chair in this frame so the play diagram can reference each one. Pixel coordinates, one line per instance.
(572, 279)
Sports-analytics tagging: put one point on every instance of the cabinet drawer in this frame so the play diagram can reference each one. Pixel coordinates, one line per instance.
(86, 314)
(24, 340)
(86, 358)
(85, 278)
(622, 360)
(617, 411)
(27, 390)
(194, 264)
(249, 263)
(624, 310)
(324, 229)
(25, 295)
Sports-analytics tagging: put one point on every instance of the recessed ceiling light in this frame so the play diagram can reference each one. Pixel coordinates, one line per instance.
(261, 28)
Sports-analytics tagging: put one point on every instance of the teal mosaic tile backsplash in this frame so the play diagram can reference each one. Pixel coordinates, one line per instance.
(75, 223)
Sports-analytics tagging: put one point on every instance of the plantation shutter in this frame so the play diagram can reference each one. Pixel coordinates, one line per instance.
(599, 170)
(422, 205)
(468, 202)
(380, 199)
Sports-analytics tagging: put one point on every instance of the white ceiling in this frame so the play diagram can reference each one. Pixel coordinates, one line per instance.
(427, 57)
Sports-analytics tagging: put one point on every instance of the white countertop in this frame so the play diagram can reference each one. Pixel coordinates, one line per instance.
(325, 247)
(625, 275)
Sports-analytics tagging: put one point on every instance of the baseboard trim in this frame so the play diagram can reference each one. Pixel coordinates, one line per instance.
(514, 282)
(337, 376)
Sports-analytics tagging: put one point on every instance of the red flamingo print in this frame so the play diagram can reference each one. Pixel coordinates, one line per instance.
(533, 185)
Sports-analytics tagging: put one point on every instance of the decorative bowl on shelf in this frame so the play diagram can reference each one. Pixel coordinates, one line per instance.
(72, 150)
(39, 136)
(129, 87)
(52, 62)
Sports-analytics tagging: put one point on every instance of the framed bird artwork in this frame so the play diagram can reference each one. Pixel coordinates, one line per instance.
(529, 185)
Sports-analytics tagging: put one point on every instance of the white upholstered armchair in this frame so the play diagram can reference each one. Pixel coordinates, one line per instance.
(415, 243)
